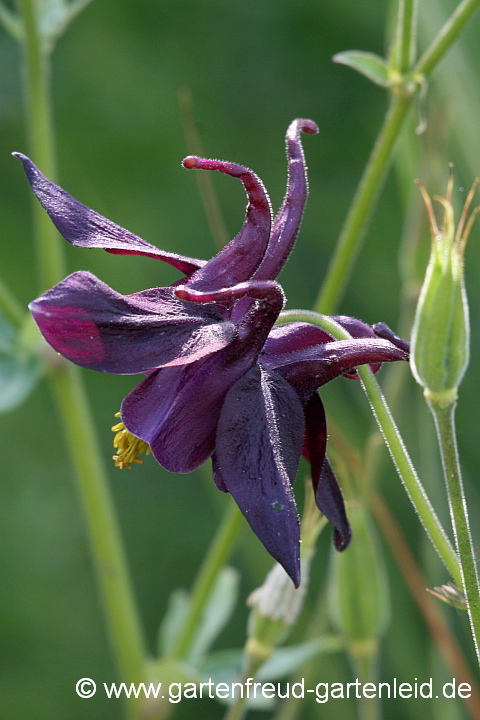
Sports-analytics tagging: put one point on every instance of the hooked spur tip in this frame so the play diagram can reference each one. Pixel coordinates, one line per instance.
(181, 292)
(191, 161)
(304, 125)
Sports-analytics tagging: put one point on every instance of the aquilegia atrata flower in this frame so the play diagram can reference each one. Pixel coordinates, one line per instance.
(221, 382)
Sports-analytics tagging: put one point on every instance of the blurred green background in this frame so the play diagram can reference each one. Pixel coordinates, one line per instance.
(252, 66)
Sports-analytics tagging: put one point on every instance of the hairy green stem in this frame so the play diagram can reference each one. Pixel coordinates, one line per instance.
(394, 442)
(220, 549)
(407, 21)
(374, 174)
(445, 426)
(69, 393)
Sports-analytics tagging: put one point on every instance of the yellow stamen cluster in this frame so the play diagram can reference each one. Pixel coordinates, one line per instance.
(128, 447)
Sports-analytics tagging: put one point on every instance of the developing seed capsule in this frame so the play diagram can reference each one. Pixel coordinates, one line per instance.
(358, 589)
(441, 332)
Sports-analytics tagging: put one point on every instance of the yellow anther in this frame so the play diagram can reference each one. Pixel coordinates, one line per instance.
(128, 446)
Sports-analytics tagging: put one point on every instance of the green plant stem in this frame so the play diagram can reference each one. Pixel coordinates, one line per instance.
(407, 29)
(394, 442)
(445, 426)
(446, 37)
(366, 670)
(10, 305)
(101, 522)
(220, 549)
(112, 575)
(356, 222)
(50, 256)
(374, 174)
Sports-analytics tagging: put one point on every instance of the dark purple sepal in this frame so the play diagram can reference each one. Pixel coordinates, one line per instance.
(88, 229)
(240, 258)
(328, 496)
(217, 475)
(315, 433)
(329, 499)
(176, 410)
(259, 441)
(93, 326)
(312, 367)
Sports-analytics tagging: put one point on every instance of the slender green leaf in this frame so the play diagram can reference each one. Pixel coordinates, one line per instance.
(172, 622)
(374, 67)
(218, 611)
(287, 659)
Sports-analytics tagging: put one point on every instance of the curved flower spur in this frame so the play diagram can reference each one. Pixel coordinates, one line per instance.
(221, 382)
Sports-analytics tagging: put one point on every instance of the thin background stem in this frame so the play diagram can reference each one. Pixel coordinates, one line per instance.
(374, 174)
(218, 553)
(112, 575)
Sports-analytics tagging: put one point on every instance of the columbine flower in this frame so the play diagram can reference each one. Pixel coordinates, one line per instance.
(217, 385)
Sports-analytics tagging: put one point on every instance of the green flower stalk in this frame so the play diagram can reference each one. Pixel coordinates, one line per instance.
(439, 358)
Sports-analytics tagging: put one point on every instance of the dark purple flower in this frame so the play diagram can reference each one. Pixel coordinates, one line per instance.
(222, 381)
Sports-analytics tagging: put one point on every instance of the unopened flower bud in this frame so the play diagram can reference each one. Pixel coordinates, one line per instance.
(358, 588)
(440, 338)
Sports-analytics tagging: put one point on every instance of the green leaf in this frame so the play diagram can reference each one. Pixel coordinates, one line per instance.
(225, 666)
(285, 660)
(218, 612)
(172, 622)
(56, 16)
(18, 377)
(374, 67)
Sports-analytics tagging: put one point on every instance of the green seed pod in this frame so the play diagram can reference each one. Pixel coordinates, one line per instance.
(358, 589)
(441, 332)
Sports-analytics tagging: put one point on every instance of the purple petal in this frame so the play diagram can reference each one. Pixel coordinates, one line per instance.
(294, 336)
(312, 367)
(329, 501)
(93, 326)
(256, 323)
(288, 219)
(85, 228)
(328, 496)
(176, 410)
(315, 433)
(240, 258)
(259, 441)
